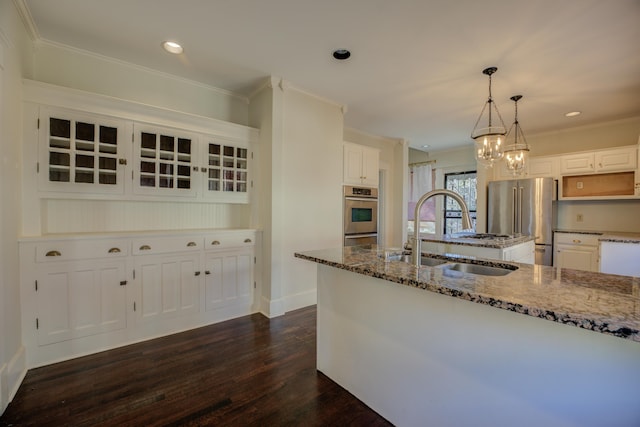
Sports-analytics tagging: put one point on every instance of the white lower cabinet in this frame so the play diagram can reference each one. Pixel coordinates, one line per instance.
(169, 285)
(577, 251)
(82, 295)
(228, 278)
(79, 299)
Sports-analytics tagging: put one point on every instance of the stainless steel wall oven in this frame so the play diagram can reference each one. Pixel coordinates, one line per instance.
(360, 217)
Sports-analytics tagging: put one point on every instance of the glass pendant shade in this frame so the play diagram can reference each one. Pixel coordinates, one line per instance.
(516, 153)
(489, 140)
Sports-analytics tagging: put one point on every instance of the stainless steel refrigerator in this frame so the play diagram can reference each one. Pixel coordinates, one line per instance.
(525, 206)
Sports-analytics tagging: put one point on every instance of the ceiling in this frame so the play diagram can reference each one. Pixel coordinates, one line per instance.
(416, 66)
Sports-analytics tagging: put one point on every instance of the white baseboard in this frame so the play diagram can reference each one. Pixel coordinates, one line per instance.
(300, 300)
(11, 376)
(272, 308)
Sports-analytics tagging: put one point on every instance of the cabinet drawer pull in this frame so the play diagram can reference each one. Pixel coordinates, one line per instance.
(247, 240)
(53, 253)
(123, 283)
(215, 242)
(577, 241)
(114, 250)
(197, 273)
(203, 170)
(145, 248)
(207, 272)
(191, 244)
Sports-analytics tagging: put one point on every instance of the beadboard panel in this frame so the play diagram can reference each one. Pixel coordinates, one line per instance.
(90, 216)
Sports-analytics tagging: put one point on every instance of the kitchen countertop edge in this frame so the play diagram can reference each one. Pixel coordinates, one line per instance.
(615, 327)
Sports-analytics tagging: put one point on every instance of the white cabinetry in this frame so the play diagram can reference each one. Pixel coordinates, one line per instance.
(576, 250)
(620, 258)
(613, 160)
(79, 299)
(80, 146)
(168, 285)
(163, 161)
(81, 152)
(87, 293)
(536, 167)
(361, 165)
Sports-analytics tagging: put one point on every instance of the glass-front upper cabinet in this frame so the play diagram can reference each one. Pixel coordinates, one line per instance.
(165, 163)
(226, 170)
(80, 152)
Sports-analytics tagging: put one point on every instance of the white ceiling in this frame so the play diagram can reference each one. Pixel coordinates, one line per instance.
(416, 65)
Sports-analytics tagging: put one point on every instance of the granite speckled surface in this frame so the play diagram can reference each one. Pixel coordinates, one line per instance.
(604, 303)
(485, 243)
(608, 236)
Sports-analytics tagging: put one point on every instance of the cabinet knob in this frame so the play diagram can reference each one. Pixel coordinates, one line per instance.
(203, 170)
(577, 241)
(190, 244)
(207, 272)
(123, 283)
(114, 250)
(197, 273)
(145, 248)
(247, 240)
(53, 253)
(122, 161)
(215, 242)
(195, 168)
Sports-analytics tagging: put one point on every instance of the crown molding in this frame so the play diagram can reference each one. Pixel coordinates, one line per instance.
(27, 19)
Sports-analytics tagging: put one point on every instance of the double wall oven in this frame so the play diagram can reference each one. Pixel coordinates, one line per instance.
(360, 216)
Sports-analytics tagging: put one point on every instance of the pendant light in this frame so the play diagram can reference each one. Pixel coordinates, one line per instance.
(489, 141)
(516, 154)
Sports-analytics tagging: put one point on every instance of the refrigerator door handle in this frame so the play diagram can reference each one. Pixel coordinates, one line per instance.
(520, 194)
(514, 201)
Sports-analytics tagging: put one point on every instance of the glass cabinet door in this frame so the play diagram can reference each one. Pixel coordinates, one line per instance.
(165, 161)
(80, 152)
(227, 169)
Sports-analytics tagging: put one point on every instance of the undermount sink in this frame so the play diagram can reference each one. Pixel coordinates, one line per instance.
(482, 270)
(426, 261)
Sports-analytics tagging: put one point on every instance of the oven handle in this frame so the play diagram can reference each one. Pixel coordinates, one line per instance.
(362, 199)
(359, 236)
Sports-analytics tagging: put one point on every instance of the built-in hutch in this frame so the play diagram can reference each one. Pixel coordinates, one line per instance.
(86, 292)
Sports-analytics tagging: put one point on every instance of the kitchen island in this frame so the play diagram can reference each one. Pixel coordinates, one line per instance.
(436, 346)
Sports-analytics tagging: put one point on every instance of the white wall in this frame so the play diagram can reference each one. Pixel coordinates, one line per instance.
(14, 64)
(393, 164)
(604, 135)
(301, 159)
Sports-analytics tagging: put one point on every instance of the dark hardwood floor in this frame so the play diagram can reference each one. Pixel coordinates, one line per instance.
(246, 371)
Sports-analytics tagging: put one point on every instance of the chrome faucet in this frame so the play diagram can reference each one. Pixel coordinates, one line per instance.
(416, 247)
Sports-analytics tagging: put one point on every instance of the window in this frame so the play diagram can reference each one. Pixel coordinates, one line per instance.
(465, 184)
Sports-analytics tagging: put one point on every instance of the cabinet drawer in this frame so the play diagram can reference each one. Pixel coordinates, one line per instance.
(63, 250)
(577, 239)
(161, 245)
(225, 241)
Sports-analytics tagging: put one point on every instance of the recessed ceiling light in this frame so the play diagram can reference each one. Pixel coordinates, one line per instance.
(172, 47)
(341, 54)
(573, 114)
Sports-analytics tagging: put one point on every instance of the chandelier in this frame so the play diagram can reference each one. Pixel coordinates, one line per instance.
(516, 153)
(489, 140)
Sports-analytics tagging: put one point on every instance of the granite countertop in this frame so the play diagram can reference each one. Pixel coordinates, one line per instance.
(460, 239)
(605, 303)
(608, 236)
